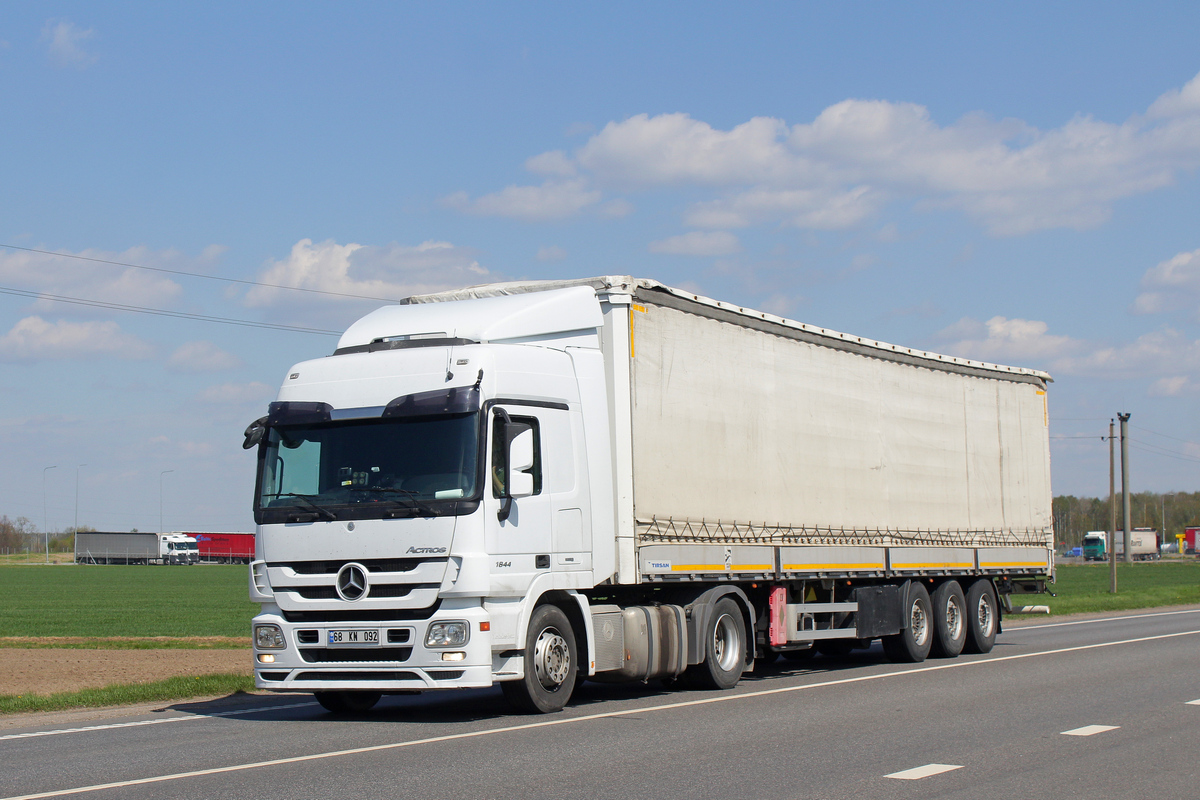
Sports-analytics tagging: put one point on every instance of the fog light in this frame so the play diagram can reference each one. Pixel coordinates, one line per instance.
(454, 656)
(266, 658)
(447, 634)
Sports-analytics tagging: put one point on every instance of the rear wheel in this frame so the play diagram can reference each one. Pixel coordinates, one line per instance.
(982, 617)
(348, 702)
(551, 664)
(912, 644)
(949, 620)
(724, 648)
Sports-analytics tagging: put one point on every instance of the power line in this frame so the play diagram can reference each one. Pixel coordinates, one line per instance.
(1163, 435)
(1160, 451)
(199, 274)
(165, 313)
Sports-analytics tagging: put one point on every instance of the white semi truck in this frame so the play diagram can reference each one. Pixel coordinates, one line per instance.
(99, 547)
(534, 484)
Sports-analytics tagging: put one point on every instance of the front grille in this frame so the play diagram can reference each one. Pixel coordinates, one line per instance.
(308, 637)
(376, 590)
(360, 615)
(357, 676)
(273, 676)
(398, 635)
(445, 674)
(372, 565)
(352, 655)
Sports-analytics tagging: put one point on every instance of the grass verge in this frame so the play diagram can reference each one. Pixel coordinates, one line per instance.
(126, 642)
(178, 688)
(1082, 588)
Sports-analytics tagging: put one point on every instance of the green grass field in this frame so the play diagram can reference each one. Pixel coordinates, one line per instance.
(141, 601)
(1084, 587)
(179, 688)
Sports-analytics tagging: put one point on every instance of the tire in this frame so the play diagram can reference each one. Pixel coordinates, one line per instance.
(724, 648)
(551, 664)
(983, 617)
(348, 702)
(912, 644)
(949, 620)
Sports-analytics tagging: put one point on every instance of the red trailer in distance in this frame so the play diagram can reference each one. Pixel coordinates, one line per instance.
(225, 548)
(1189, 540)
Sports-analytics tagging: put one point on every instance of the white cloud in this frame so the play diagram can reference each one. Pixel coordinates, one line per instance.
(553, 163)
(858, 155)
(554, 199)
(1170, 285)
(64, 43)
(698, 243)
(551, 253)
(87, 277)
(237, 393)
(33, 338)
(1172, 386)
(201, 356)
(1007, 341)
(1165, 352)
(386, 273)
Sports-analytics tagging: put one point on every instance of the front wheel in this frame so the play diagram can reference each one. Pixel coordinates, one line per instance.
(551, 664)
(724, 648)
(912, 644)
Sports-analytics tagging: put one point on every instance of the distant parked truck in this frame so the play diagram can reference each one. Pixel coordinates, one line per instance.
(225, 548)
(98, 547)
(1144, 545)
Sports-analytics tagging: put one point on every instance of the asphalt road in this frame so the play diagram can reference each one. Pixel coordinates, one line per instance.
(1099, 708)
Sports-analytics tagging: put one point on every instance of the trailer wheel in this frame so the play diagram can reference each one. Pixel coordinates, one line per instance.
(348, 702)
(551, 665)
(982, 616)
(912, 644)
(724, 648)
(949, 620)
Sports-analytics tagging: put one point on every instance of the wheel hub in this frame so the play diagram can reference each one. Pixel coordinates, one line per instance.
(551, 659)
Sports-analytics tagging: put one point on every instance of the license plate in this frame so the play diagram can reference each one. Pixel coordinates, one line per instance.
(353, 637)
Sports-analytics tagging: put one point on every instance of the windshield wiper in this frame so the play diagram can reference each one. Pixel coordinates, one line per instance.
(307, 499)
(405, 494)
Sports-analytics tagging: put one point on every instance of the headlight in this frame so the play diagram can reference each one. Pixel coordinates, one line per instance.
(447, 634)
(268, 637)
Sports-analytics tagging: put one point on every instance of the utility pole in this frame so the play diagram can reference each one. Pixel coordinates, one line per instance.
(1112, 511)
(1124, 418)
(45, 524)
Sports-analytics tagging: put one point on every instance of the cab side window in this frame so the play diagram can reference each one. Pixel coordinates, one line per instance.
(498, 476)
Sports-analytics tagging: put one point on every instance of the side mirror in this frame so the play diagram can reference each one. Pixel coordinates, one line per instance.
(255, 433)
(520, 458)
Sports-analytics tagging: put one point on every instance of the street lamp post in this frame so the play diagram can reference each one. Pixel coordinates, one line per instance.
(45, 524)
(160, 498)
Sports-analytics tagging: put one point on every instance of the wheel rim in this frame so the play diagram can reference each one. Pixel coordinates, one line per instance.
(920, 624)
(551, 659)
(726, 643)
(954, 619)
(986, 618)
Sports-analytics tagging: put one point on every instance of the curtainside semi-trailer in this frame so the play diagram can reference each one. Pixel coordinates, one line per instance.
(533, 484)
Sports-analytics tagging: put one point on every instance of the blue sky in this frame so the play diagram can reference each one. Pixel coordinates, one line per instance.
(1013, 184)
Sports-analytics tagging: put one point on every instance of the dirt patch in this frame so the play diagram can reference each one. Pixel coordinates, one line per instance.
(45, 670)
(128, 642)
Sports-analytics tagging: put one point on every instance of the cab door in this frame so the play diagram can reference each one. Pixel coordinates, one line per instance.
(520, 544)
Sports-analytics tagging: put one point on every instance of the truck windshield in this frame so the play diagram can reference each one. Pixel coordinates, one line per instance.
(368, 468)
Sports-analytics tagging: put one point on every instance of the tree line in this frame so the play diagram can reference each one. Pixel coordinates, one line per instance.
(1075, 516)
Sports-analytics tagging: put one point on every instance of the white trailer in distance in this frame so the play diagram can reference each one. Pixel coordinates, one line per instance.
(533, 484)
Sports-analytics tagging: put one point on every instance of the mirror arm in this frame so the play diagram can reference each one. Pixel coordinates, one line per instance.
(506, 498)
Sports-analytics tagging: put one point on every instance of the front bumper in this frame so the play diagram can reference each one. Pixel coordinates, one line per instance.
(400, 662)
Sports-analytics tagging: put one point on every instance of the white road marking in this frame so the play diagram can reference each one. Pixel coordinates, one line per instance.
(589, 717)
(1090, 730)
(1193, 702)
(188, 718)
(1020, 628)
(916, 773)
